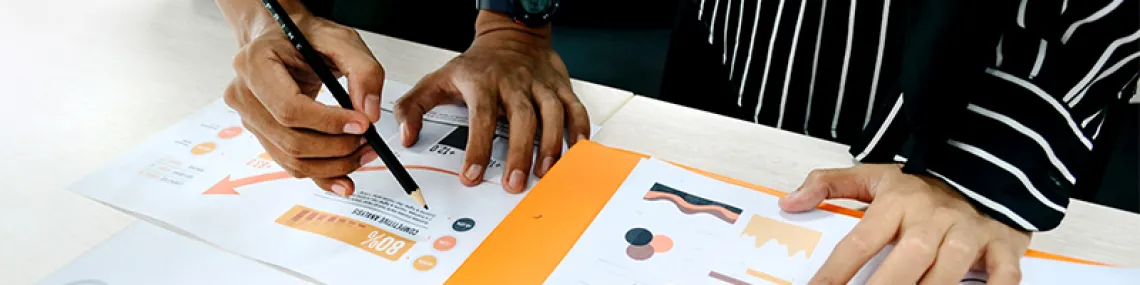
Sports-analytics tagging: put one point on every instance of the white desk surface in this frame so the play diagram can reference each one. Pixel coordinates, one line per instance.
(88, 80)
(781, 160)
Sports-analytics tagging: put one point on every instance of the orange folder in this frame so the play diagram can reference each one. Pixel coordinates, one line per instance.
(531, 241)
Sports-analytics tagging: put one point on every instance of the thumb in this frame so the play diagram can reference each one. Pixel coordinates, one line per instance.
(410, 109)
(352, 58)
(822, 184)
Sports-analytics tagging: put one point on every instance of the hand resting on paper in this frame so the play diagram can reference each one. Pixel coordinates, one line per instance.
(511, 71)
(939, 236)
(275, 89)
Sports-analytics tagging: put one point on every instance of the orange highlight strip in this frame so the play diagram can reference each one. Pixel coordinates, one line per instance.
(767, 277)
(367, 237)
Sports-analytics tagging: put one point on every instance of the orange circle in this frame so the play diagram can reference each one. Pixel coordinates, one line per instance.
(444, 243)
(661, 243)
(424, 263)
(229, 133)
(203, 148)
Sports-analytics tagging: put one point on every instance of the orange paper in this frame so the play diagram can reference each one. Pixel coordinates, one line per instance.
(531, 241)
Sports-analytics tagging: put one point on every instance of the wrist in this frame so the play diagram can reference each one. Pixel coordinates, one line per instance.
(249, 19)
(496, 25)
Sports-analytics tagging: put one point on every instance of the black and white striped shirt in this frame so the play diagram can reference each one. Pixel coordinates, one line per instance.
(1000, 99)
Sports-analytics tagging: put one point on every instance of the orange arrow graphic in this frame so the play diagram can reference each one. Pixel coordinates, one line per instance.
(228, 186)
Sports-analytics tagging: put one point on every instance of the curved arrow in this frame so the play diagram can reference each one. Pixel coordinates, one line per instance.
(228, 185)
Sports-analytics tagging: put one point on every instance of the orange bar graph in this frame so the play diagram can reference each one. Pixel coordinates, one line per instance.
(361, 235)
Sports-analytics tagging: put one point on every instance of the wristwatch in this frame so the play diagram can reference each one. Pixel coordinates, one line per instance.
(532, 13)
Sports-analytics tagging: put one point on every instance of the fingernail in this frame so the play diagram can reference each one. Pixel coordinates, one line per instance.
(546, 164)
(372, 105)
(354, 128)
(516, 181)
(581, 137)
(368, 157)
(339, 189)
(473, 172)
(363, 140)
(404, 131)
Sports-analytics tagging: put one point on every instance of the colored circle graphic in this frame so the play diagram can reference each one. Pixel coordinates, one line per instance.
(638, 236)
(463, 224)
(639, 252)
(203, 148)
(229, 133)
(661, 243)
(424, 263)
(444, 243)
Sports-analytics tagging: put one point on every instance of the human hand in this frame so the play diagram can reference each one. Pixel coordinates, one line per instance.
(939, 235)
(504, 72)
(275, 89)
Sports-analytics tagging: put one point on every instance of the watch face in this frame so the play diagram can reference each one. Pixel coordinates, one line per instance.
(535, 6)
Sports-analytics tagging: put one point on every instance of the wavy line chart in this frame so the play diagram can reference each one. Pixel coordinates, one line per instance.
(692, 204)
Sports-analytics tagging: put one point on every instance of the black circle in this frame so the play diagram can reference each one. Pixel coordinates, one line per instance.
(638, 236)
(463, 224)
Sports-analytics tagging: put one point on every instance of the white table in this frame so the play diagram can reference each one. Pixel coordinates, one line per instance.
(88, 80)
(781, 160)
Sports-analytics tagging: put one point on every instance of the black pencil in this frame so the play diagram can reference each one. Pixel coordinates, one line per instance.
(318, 64)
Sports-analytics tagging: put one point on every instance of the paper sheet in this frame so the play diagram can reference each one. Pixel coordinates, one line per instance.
(667, 225)
(146, 254)
(210, 177)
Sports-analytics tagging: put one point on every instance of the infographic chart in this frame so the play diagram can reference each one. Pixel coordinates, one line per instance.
(666, 225)
(210, 177)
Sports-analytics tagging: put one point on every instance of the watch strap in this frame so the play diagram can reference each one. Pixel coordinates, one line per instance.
(503, 6)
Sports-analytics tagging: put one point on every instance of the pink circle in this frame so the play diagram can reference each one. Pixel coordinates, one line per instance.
(661, 243)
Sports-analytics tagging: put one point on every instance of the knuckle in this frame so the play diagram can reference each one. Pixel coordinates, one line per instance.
(959, 247)
(817, 175)
(481, 108)
(1012, 272)
(342, 31)
(550, 105)
(230, 97)
(521, 108)
(523, 72)
(916, 244)
(858, 242)
(291, 147)
(287, 115)
(372, 69)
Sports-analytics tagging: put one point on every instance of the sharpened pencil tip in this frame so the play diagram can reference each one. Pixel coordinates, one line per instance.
(419, 197)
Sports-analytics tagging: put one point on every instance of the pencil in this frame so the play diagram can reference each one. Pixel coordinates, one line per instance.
(318, 64)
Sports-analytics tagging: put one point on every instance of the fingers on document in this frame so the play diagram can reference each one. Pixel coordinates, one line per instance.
(960, 248)
(520, 148)
(550, 142)
(916, 249)
(867, 238)
(1002, 264)
(577, 121)
(824, 184)
(429, 92)
(482, 117)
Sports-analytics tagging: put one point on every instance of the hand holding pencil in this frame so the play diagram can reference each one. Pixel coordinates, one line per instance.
(275, 88)
(316, 62)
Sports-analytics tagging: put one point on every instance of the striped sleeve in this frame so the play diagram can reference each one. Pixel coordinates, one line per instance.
(1018, 149)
